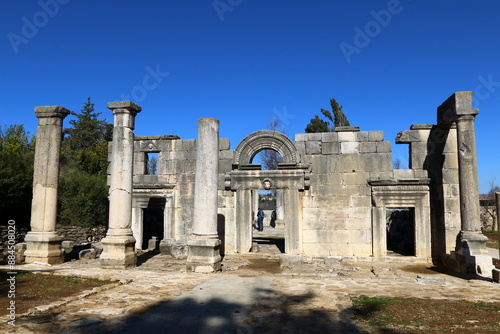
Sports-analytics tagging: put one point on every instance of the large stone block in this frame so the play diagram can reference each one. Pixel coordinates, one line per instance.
(349, 147)
(224, 144)
(329, 137)
(226, 154)
(450, 160)
(313, 147)
(348, 136)
(376, 135)
(363, 136)
(450, 175)
(367, 147)
(330, 148)
(355, 178)
(384, 147)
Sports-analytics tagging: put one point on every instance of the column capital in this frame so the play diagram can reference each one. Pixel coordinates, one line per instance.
(458, 104)
(51, 111)
(124, 107)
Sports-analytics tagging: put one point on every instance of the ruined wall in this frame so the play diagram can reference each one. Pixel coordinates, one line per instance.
(336, 214)
(175, 180)
(433, 149)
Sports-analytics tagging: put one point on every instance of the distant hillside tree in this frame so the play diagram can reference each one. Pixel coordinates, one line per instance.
(337, 119)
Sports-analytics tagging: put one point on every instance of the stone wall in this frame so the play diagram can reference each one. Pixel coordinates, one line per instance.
(175, 180)
(336, 216)
(81, 235)
(433, 149)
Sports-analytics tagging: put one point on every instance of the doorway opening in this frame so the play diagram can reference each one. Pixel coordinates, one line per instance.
(153, 226)
(400, 224)
(271, 240)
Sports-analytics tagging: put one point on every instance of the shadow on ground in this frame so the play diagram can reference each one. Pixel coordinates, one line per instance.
(273, 312)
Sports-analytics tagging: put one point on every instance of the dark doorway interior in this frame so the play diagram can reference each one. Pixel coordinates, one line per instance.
(401, 230)
(153, 220)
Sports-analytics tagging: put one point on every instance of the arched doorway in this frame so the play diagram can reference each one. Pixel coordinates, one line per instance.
(291, 178)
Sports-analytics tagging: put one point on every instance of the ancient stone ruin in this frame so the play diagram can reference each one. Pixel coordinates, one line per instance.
(337, 194)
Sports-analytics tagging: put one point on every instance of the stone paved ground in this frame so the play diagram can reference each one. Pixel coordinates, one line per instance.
(160, 297)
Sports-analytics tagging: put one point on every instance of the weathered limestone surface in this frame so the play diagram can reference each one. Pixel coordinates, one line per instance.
(336, 210)
(204, 244)
(496, 261)
(433, 151)
(119, 243)
(471, 254)
(43, 243)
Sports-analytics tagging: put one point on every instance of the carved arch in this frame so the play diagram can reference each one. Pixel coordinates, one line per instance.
(266, 140)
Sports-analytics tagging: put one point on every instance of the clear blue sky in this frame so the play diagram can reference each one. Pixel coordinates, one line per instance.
(245, 62)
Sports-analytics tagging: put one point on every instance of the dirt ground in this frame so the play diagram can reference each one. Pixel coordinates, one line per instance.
(34, 289)
(369, 314)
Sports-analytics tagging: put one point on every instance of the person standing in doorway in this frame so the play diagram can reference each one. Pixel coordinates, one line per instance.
(260, 220)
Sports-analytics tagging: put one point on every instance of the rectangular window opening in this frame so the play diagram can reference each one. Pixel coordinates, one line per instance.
(151, 163)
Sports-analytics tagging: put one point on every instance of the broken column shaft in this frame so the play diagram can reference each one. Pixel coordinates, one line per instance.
(119, 244)
(43, 244)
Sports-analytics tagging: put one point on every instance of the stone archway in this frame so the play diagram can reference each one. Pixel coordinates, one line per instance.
(265, 140)
(292, 177)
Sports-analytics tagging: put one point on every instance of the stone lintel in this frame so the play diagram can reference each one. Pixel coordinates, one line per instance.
(458, 104)
(278, 179)
(51, 111)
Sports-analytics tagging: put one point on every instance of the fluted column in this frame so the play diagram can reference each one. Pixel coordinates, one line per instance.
(204, 244)
(42, 242)
(119, 244)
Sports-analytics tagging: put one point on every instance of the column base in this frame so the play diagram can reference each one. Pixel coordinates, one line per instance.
(204, 256)
(43, 247)
(471, 243)
(118, 252)
(470, 256)
(496, 271)
(280, 224)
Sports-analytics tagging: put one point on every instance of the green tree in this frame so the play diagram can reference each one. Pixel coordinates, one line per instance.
(84, 159)
(337, 119)
(85, 143)
(17, 149)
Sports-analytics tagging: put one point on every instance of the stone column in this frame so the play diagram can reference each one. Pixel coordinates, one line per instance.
(138, 204)
(496, 262)
(469, 189)
(280, 209)
(497, 198)
(119, 244)
(42, 242)
(204, 244)
(470, 255)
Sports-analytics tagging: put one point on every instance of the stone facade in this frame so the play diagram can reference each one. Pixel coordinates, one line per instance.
(337, 194)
